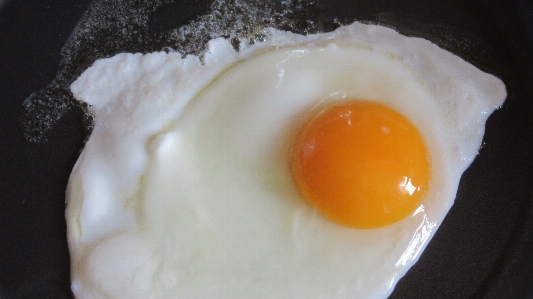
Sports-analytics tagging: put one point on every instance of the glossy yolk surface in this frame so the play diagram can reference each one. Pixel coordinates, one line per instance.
(361, 164)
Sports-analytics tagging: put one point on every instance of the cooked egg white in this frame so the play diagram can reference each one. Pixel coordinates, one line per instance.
(185, 190)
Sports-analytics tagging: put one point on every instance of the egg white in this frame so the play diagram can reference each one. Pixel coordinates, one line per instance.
(184, 188)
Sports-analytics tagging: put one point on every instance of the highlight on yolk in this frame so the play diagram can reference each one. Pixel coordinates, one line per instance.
(361, 164)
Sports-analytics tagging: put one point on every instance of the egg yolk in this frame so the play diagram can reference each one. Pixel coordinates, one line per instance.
(361, 164)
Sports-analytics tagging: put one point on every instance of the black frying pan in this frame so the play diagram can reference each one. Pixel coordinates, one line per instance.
(484, 248)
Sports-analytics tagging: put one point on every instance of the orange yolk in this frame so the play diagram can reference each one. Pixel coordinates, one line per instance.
(361, 164)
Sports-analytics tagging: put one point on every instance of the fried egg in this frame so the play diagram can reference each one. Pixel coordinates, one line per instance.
(314, 166)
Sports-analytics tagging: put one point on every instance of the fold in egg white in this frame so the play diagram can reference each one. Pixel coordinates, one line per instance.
(184, 188)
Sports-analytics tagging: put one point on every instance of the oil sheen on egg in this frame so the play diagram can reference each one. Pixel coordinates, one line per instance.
(187, 186)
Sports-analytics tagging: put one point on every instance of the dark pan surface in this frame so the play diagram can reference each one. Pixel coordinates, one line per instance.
(484, 247)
